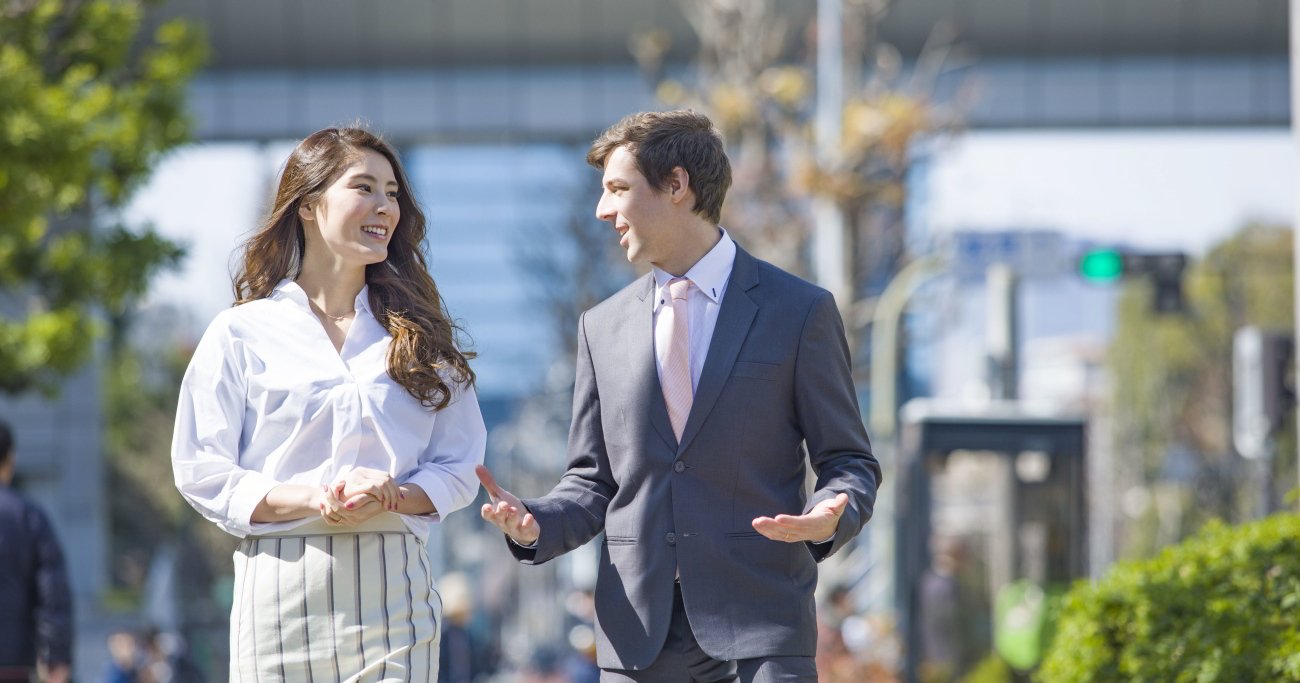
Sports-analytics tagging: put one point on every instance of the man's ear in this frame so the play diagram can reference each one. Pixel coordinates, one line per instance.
(679, 184)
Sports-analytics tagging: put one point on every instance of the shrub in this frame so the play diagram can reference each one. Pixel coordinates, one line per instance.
(990, 670)
(1222, 606)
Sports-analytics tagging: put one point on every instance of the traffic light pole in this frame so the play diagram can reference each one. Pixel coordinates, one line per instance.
(1001, 331)
(1295, 133)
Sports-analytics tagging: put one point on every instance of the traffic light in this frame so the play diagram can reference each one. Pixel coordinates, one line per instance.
(1101, 265)
(1262, 393)
(1165, 269)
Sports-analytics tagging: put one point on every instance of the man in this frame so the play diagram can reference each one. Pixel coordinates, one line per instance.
(35, 605)
(698, 387)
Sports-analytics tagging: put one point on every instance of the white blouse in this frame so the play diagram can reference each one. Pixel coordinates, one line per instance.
(267, 400)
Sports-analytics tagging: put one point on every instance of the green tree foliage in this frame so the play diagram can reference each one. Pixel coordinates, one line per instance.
(1173, 373)
(87, 107)
(140, 392)
(1223, 606)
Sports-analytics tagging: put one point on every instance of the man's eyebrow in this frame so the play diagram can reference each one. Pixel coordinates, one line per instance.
(367, 176)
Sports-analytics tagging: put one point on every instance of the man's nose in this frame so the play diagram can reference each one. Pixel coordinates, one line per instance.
(603, 210)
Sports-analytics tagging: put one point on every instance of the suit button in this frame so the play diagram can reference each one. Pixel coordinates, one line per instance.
(671, 538)
(679, 467)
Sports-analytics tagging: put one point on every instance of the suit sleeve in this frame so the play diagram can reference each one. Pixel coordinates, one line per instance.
(53, 604)
(826, 407)
(574, 511)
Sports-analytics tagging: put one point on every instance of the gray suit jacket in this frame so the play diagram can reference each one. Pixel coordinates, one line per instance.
(776, 378)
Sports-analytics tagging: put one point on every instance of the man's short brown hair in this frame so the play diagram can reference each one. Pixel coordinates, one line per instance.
(662, 141)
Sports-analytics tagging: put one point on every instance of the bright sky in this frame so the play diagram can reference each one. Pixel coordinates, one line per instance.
(208, 197)
(1150, 188)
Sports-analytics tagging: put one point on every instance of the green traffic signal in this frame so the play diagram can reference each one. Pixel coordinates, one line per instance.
(1101, 265)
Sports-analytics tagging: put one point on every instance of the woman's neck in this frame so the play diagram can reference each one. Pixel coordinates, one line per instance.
(333, 293)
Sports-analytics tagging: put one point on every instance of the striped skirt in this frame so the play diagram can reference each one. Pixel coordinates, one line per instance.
(319, 604)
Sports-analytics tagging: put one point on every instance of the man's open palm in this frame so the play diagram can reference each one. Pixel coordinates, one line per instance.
(506, 512)
(817, 526)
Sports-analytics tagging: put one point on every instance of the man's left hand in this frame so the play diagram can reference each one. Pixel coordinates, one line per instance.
(55, 673)
(818, 526)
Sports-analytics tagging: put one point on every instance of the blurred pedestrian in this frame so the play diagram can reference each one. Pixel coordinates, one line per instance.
(940, 617)
(580, 666)
(35, 600)
(458, 651)
(167, 659)
(833, 655)
(704, 392)
(330, 420)
(544, 665)
(123, 658)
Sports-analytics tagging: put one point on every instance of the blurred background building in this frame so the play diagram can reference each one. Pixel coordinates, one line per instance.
(1157, 125)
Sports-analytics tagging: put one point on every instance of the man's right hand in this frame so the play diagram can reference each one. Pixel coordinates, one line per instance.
(506, 512)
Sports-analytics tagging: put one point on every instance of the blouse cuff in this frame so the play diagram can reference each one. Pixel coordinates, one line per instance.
(244, 498)
(438, 493)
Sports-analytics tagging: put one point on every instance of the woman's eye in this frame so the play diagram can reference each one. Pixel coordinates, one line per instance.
(393, 195)
(363, 187)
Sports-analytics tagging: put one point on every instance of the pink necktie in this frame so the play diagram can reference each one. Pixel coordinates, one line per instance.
(672, 334)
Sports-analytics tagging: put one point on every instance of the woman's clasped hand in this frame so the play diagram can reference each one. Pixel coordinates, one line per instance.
(359, 495)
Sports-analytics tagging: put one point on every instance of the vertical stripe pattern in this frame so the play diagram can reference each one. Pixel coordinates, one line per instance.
(347, 608)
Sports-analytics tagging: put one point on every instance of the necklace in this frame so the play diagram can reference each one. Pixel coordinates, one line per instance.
(335, 318)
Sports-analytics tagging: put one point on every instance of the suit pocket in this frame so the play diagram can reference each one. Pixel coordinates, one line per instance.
(745, 536)
(767, 372)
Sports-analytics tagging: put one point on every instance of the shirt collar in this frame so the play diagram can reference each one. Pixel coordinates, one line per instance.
(292, 291)
(709, 274)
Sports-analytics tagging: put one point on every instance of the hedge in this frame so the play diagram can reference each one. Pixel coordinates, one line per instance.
(1221, 606)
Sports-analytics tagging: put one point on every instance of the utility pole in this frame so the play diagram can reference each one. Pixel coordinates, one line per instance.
(831, 253)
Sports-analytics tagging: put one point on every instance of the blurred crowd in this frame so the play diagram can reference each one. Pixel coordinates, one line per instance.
(152, 656)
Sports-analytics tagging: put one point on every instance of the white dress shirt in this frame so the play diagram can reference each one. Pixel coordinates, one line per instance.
(709, 276)
(267, 400)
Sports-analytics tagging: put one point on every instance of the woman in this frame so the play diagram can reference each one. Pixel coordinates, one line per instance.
(329, 420)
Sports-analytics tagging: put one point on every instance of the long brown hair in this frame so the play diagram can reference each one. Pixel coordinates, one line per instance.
(402, 293)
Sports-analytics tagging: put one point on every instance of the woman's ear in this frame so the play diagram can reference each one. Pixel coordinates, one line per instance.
(305, 212)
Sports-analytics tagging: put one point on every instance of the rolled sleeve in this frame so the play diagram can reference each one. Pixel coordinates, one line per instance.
(205, 444)
(446, 469)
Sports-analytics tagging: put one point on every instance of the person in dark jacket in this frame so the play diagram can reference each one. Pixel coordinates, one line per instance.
(35, 601)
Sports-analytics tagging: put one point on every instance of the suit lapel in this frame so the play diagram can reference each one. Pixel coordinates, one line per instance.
(638, 337)
(735, 317)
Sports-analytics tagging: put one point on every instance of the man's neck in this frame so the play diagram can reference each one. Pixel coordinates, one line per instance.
(696, 240)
